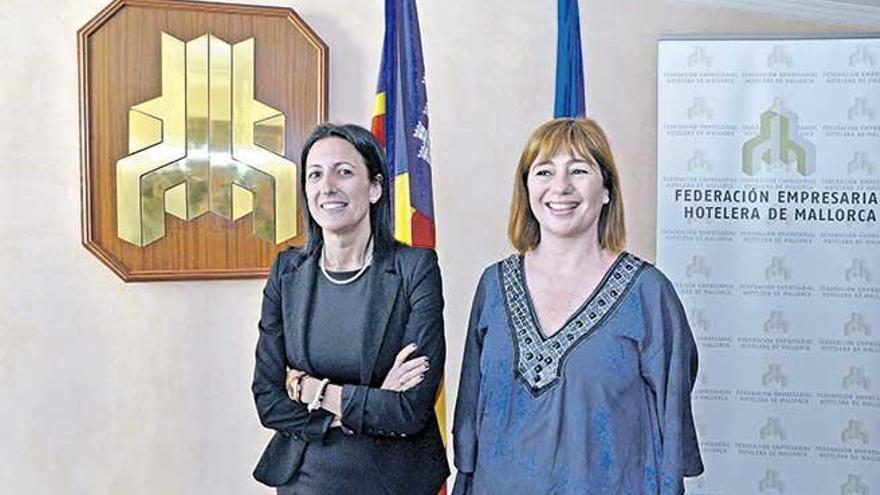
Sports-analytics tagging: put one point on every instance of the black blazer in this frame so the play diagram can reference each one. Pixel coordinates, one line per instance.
(406, 305)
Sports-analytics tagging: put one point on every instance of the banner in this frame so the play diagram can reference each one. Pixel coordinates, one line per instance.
(768, 185)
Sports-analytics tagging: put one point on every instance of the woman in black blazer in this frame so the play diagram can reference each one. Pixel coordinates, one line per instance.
(351, 348)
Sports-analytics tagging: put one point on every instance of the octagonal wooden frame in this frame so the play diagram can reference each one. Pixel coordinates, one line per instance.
(88, 214)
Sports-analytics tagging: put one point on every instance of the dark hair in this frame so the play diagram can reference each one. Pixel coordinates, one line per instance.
(374, 158)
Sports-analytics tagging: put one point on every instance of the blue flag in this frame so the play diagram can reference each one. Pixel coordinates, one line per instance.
(570, 97)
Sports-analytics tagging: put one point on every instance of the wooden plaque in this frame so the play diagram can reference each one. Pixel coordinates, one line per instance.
(193, 116)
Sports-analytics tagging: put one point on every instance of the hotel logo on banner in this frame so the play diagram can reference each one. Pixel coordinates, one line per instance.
(699, 58)
(857, 326)
(779, 280)
(855, 388)
(771, 482)
(860, 163)
(860, 110)
(698, 162)
(698, 272)
(699, 321)
(775, 323)
(857, 379)
(858, 271)
(854, 443)
(777, 271)
(779, 146)
(857, 332)
(699, 109)
(854, 433)
(772, 430)
(774, 376)
(854, 485)
(773, 442)
(779, 58)
(773, 334)
(862, 57)
(857, 282)
(698, 268)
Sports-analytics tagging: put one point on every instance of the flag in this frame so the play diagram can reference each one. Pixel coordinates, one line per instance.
(570, 97)
(400, 124)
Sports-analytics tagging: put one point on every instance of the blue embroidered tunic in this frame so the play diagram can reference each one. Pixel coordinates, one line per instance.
(601, 407)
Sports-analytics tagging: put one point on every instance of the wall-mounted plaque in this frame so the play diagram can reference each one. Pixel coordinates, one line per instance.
(193, 116)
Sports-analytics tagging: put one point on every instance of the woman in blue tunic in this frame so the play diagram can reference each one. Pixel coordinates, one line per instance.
(579, 362)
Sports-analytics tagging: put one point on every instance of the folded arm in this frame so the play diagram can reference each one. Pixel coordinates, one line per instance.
(275, 409)
(379, 412)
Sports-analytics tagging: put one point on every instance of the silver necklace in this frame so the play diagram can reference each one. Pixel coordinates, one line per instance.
(367, 260)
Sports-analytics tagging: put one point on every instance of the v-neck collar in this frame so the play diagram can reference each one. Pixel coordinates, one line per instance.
(539, 359)
(531, 302)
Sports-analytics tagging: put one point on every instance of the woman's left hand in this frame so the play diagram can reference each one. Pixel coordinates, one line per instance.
(406, 373)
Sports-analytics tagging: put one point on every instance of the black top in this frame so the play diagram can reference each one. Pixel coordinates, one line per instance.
(334, 344)
(335, 338)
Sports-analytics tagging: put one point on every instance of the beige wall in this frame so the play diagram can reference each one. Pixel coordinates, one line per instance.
(144, 388)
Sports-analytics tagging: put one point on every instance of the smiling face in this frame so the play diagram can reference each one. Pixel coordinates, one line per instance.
(566, 195)
(338, 189)
(567, 184)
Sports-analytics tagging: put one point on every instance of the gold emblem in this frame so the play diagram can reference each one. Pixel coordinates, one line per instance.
(205, 145)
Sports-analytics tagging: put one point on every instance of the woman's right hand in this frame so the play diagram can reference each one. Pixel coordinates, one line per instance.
(405, 374)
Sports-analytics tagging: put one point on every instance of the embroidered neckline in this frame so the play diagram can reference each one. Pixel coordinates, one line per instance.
(539, 358)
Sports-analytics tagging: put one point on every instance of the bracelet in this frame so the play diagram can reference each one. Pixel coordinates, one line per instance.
(315, 404)
(294, 388)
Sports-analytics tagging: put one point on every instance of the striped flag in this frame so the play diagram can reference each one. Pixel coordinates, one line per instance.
(400, 124)
(570, 97)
